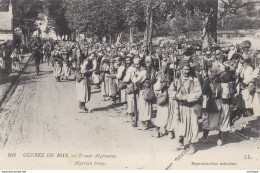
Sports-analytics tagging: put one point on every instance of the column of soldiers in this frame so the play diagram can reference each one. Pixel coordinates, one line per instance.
(181, 81)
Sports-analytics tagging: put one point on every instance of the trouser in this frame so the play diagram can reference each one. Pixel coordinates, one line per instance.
(2, 63)
(57, 69)
(81, 105)
(45, 58)
(66, 70)
(15, 65)
(37, 66)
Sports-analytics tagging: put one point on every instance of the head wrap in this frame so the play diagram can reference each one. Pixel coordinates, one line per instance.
(186, 58)
(136, 60)
(218, 52)
(148, 59)
(184, 63)
(245, 44)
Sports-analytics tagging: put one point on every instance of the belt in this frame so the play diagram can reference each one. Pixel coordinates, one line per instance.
(188, 104)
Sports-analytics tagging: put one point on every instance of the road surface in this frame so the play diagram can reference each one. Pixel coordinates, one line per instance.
(41, 127)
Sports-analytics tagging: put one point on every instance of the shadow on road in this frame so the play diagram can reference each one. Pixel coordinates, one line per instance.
(6, 79)
(253, 129)
(108, 107)
(229, 138)
(43, 73)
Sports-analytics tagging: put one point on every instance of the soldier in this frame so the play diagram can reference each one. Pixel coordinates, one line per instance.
(216, 99)
(83, 84)
(244, 72)
(256, 78)
(104, 77)
(46, 52)
(120, 75)
(65, 64)
(161, 91)
(2, 57)
(15, 60)
(186, 90)
(131, 89)
(37, 54)
(57, 66)
(145, 109)
(112, 81)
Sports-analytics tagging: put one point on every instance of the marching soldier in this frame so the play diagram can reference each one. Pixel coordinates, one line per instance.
(244, 74)
(161, 91)
(186, 90)
(216, 100)
(104, 77)
(15, 60)
(131, 90)
(37, 54)
(83, 84)
(120, 75)
(145, 109)
(112, 81)
(57, 66)
(256, 78)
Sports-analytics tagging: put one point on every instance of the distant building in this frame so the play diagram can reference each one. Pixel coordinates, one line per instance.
(6, 24)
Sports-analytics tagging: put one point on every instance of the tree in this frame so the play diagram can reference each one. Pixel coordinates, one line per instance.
(25, 13)
(57, 11)
(96, 17)
(209, 10)
(4, 5)
(186, 25)
(135, 17)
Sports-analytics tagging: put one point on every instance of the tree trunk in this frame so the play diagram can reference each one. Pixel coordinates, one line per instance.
(118, 39)
(131, 36)
(110, 39)
(210, 24)
(149, 28)
(27, 37)
(24, 39)
(150, 34)
(74, 35)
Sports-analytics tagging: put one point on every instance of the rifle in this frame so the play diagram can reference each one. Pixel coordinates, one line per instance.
(135, 109)
(238, 78)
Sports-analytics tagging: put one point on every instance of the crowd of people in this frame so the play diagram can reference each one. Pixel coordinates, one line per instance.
(180, 80)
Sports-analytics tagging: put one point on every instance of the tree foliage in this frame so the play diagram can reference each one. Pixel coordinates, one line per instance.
(25, 13)
(4, 5)
(57, 11)
(96, 17)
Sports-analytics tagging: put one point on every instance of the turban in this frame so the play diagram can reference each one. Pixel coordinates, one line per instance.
(184, 63)
(148, 59)
(245, 44)
(136, 60)
(218, 52)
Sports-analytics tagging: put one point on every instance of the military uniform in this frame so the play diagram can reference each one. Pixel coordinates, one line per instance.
(83, 84)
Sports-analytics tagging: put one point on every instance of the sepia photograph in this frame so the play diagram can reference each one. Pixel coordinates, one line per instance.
(130, 85)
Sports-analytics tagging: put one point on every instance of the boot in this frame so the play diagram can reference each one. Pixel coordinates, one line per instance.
(204, 139)
(81, 105)
(171, 135)
(180, 144)
(192, 149)
(134, 121)
(220, 137)
(159, 134)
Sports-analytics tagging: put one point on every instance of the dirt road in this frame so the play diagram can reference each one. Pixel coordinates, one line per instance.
(41, 121)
